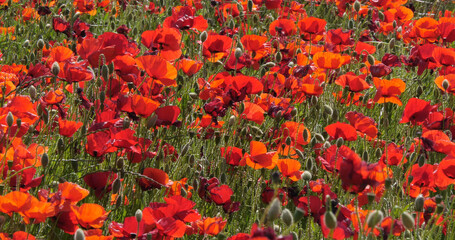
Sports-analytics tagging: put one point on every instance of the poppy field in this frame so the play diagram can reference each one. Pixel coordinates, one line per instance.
(227, 120)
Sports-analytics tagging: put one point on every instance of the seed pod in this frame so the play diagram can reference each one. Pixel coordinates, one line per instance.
(418, 204)
(55, 69)
(330, 220)
(374, 218)
(408, 220)
(287, 217)
(79, 234)
(138, 215)
(274, 211)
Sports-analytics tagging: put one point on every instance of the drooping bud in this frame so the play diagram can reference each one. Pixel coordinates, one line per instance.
(40, 43)
(370, 59)
(238, 53)
(203, 37)
(445, 84)
(298, 214)
(319, 137)
(328, 110)
(274, 211)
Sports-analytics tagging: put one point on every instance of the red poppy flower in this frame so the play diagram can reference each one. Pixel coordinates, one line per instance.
(422, 181)
(389, 90)
(183, 18)
(447, 29)
(72, 192)
(253, 112)
(216, 47)
(450, 78)
(393, 155)
(416, 111)
(338, 39)
(259, 157)
(290, 168)
(68, 128)
(427, 28)
(101, 182)
(362, 123)
(189, 66)
(341, 130)
(137, 104)
(233, 155)
(158, 68)
(353, 82)
(90, 215)
(444, 56)
(328, 60)
(156, 178)
(282, 27)
(312, 28)
(210, 226)
(166, 41)
(445, 173)
(380, 70)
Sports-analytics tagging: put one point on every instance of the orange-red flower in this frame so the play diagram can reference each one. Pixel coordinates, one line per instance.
(312, 29)
(210, 226)
(259, 157)
(427, 28)
(158, 68)
(90, 215)
(389, 90)
(328, 60)
(166, 41)
(282, 27)
(216, 47)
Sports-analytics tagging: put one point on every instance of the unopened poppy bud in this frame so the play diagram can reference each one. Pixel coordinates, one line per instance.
(319, 137)
(276, 178)
(371, 197)
(365, 156)
(79, 234)
(44, 160)
(32, 92)
(388, 183)
(392, 43)
(330, 220)
(278, 57)
(445, 84)
(328, 110)
(418, 203)
(250, 5)
(203, 36)
(374, 218)
(340, 142)
(116, 186)
(298, 214)
(151, 121)
(40, 43)
(269, 64)
(274, 211)
(105, 72)
(288, 141)
(408, 220)
(300, 153)
(421, 160)
(357, 6)
(439, 208)
(138, 215)
(306, 175)
(9, 119)
(120, 163)
(419, 90)
(370, 59)
(238, 53)
(287, 217)
(438, 199)
(26, 43)
(378, 152)
(232, 120)
(326, 145)
(55, 69)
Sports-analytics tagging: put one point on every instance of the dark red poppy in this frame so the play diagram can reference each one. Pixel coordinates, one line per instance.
(312, 29)
(233, 155)
(416, 111)
(165, 41)
(183, 18)
(393, 155)
(282, 27)
(168, 116)
(353, 82)
(380, 70)
(362, 123)
(101, 182)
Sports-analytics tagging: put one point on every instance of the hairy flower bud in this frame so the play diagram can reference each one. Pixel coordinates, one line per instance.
(408, 220)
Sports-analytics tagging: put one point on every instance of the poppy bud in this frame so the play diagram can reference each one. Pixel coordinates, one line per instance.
(269, 64)
(238, 53)
(298, 214)
(305, 134)
(288, 141)
(287, 217)
(438, 199)
(319, 137)
(309, 164)
(439, 208)
(299, 50)
(392, 43)
(330, 220)
(120, 163)
(370, 59)
(232, 120)
(138, 215)
(421, 160)
(340, 142)
(116, 186)
(40, 43)
(26, 43)
(445, 84)
(193, 95)
(365, 156)
(278, 57)
(256, 130)
(126, 123)
(300, 153)
(185, 148)
(371, 197)
(274, 210)
(9, 119)
(357, 6)
(44, 160)
(374, 218)
(419, 90)
(276, 178)
(105, 72)
(32, 92)
(79, 234)
(55, 69)
(378, 152)
(408, 220)
(418, 204)
(250, 5)
(306, 175)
